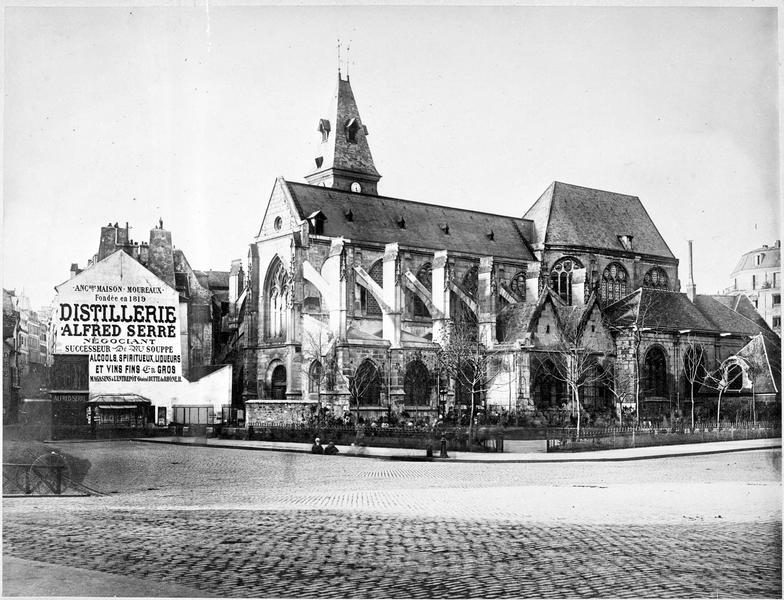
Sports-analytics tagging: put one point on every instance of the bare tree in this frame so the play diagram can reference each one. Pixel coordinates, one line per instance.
(320, 373)
(635, 321)
(694, 370)
(575, 365)
(721, 380)
(360, 382)
(622, 386)
(470, 364)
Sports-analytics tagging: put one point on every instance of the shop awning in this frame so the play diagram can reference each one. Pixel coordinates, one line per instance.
(119, 399)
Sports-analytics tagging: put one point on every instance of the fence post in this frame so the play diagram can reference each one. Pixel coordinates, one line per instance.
(58, 479)
(27, 489)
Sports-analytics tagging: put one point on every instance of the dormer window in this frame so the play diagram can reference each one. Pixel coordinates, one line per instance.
(490, 235)
(401, 222)
(758, 259)
(444, 227)
(319, 161)
(348, 214)
(324, 129)
(626, 241)
(316, 223)
(351, 130)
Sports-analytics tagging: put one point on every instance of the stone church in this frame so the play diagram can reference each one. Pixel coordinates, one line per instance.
(351, 300)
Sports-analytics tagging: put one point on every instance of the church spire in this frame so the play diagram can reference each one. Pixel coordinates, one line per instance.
(343, 158)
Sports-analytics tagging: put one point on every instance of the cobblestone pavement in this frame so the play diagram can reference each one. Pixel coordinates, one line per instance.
(237, 523)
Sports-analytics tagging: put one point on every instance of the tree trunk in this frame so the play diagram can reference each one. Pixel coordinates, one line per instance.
(692, 409)
(576, 392)
(718, 412)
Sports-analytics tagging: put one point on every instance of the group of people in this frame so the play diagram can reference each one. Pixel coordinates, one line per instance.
(317, 448)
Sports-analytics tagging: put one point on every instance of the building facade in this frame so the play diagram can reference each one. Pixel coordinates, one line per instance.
(363, 306)
(136, 335)
(758, 276)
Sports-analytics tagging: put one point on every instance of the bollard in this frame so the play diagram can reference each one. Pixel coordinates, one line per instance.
(443, 447)
(429, 451)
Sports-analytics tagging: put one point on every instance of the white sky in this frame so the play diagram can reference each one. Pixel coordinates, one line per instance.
(131, 114)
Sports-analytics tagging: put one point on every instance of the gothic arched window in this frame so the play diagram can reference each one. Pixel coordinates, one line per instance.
(277, 291)
(366, 384)
(561, 277)
(656, 278)
(471, 281)
(425, 277)
(366, 299)
(615, 282)
(315, 374)
(416, 383)
(656, 371)
(517, 285)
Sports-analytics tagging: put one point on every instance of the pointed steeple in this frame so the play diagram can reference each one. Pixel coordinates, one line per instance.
(343, 158)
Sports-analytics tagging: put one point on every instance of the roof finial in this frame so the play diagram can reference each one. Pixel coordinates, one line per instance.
(338, 57)
(348, 62)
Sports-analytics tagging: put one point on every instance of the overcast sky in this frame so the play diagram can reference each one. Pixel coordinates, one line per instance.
(189, 114)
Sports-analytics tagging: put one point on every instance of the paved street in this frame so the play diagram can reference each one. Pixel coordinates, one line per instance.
(242, 523)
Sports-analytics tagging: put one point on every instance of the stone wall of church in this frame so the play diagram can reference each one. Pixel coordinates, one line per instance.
(595, 263)
(279, 208)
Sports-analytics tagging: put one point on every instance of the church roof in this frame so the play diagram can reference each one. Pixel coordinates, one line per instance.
(658, 309)
(724, 318)
(573, 215)
(665, 310)
(742, 305)
(380, 219)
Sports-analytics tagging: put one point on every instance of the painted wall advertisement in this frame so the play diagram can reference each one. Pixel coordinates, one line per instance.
(125, 319)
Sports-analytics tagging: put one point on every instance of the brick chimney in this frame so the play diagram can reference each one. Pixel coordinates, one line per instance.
(161, 256)
(691, 288)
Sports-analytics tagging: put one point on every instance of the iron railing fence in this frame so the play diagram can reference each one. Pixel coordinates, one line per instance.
(589, 438)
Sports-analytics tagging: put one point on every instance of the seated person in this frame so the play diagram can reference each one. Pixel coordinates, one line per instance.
(331, 448)
(317, 448)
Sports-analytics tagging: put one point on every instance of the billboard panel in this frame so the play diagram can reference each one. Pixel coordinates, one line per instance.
(125, 319)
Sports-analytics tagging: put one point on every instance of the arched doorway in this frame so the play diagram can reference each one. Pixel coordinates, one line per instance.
(278, 383)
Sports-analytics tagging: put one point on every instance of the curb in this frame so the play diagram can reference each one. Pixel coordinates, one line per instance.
(416, 458)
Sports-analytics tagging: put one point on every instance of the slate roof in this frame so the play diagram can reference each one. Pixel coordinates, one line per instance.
(661, 309)
(658, 309)
(573, 215)
(377, 219)
(723, 318)
(213, 279)
(764, 356)
(771, 258)
(741, 304)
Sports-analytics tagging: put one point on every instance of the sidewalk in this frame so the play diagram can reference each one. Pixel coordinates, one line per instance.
(30, 578)
(531, 456)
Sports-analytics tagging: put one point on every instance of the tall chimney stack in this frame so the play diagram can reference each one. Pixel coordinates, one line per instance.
(691, 288)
